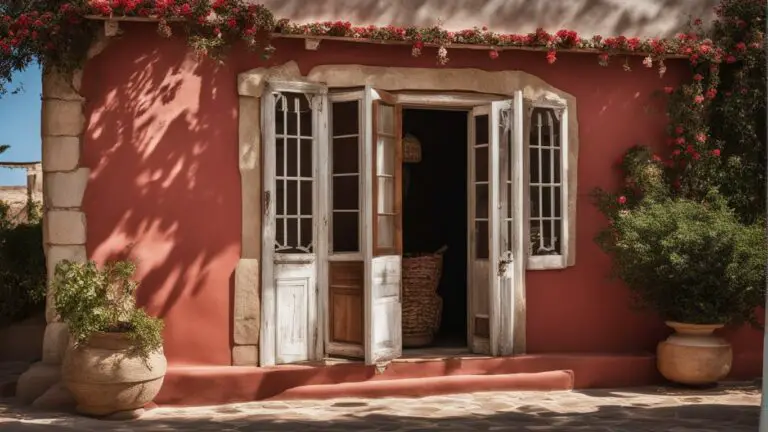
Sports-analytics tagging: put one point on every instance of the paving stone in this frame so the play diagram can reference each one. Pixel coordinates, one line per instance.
(729, 408)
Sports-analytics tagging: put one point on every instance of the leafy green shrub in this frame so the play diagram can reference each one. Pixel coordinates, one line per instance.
(22, 265)
(690, 261)
(92, 300)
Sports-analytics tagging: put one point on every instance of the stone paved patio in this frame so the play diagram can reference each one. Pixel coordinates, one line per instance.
(728, 408)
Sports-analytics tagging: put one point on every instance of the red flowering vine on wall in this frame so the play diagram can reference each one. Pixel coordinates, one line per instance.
(716, 132)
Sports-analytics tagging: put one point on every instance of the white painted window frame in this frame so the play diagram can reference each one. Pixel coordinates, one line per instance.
(548, 262)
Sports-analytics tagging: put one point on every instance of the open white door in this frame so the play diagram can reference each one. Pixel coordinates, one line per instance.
(364, 303)
(294, 134)
(383, 269)
(495, 256)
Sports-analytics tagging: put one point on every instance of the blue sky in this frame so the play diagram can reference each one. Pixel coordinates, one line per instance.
(20, 125)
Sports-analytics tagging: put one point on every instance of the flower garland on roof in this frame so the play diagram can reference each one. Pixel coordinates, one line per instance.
(59, 32)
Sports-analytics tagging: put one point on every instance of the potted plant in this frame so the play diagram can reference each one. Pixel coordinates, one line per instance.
(115, 362)
(691, 261)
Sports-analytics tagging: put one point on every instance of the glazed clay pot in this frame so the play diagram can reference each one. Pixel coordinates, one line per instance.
(105, 377)
(693, 355)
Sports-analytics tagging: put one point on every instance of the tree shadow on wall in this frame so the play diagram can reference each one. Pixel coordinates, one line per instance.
(615, 17)
(364, 417)
(165, 189)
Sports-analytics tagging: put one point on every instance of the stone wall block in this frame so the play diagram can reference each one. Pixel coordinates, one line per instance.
(55, 342)
(65, 227)
(245, 355)
(247, 305)
(60, 153)
(58, 85)
(251, 83)
(54, 255)
(36, 381)
(62, 118)
(66, 189)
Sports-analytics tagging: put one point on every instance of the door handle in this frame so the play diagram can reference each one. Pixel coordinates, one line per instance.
(504, 263)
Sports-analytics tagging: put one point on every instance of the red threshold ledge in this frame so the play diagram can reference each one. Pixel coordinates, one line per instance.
(212, 385)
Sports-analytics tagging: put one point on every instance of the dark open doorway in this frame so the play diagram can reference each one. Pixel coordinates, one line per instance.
(435, 210)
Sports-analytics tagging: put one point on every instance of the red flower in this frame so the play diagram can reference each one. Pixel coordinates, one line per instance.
(493, 54)
(711, 93)
(669, 90)
(680, 141)
(716, 152)
(676, 152)
(730, 59)
(701, 137)
(551, 57)
(696, 155)
(698, 77)
(741, 46)
(698, 99)
(231, 23)
(418, 45)
(679, 130)
(622, 200)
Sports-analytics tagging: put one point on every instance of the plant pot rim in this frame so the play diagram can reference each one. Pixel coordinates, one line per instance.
(676, 324)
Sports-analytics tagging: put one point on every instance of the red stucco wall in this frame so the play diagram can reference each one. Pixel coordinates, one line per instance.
(161, 142)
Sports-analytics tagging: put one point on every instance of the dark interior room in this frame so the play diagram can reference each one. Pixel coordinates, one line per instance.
(435, 209)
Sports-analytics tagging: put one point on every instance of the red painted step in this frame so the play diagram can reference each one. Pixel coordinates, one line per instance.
(418, 387)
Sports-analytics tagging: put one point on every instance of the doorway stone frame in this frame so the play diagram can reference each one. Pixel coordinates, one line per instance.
(250, 85)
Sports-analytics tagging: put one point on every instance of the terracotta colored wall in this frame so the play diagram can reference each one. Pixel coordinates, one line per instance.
(162, 145)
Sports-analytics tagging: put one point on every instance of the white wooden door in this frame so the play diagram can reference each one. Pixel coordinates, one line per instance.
(383, 268)
(363, 290)
(495, 225)
(293, 225)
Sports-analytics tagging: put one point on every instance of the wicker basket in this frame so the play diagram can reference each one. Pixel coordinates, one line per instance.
(411, 149)
(422, 307)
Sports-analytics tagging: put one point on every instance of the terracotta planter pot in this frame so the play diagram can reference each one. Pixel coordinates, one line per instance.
(105, 378)
(693, 355)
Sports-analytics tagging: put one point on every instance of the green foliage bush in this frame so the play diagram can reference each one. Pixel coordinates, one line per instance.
(690, 261)
(22, 265)
(92, 300)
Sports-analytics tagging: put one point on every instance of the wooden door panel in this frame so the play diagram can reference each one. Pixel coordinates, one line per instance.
(345, 288)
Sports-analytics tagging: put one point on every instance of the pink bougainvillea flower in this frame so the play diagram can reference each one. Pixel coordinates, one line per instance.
(698, 99)
(493, 54)
(716, 152)
(551, 57)
(622, 200)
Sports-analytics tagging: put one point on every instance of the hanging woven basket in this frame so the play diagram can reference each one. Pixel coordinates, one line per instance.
(411, 149)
